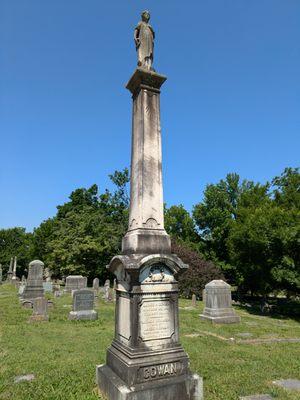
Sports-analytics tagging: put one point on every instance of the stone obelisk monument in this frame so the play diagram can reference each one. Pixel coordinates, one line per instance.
(145, 360)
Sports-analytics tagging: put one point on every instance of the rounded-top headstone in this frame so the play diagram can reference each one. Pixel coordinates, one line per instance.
(216, 283)
(36, 262)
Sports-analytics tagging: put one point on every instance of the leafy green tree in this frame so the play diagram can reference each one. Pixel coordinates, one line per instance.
(87, 230)
(15, 242)
(264, 246)
(180, 225)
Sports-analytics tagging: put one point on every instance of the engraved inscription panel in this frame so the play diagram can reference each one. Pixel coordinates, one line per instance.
(123, 324)
(83, 300)
(156, 319)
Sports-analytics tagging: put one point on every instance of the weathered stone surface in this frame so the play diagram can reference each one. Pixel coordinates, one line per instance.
(244, 335)
(14, 278)
(257, 397)
(75, 282)
(48, 287)
(146, 360)
(34, 285)
(194, 300)
(146, 233)
(107, 294)
(24, 378)
(96, 284)
(218, 305)
(21, 289)
(83, 305)
(10, 270)
(40, 310)
(289, 384)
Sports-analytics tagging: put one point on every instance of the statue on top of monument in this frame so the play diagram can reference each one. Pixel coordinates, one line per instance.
(144, 41)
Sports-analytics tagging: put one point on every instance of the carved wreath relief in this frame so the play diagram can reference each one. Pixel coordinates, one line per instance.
(157, 273)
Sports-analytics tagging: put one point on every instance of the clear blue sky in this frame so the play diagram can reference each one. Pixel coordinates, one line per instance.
(231, 102)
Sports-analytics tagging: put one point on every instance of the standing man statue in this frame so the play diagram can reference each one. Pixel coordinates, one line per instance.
(144, 41)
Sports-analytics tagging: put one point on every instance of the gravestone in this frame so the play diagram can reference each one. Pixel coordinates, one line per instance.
(10, 270)
(289, 384)
(0, 274)
(115, 288)
(48, 287)
(146, 360)
(21, 289)
(34, 285)
(83, 305)
(194, 300)
(14, 278)
(257, 397)
(107, 290)
(75, 282)
(218, 306)
(96, 285)
(40, 310)
(47, 274)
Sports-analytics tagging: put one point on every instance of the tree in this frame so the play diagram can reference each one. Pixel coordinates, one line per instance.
(200, 271)
(15, 242)
(180, 225)
(86, 232)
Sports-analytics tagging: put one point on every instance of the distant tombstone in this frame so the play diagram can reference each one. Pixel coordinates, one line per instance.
(96, 284)
(83, 305)
(10, 270)
(40, 310)
(57, 293)
(75, 282)
(47, 274)
(55, 287)
(23, 280)
(194, 300)
(218, 303)
(14, 278)
(115, 290)
(107, 290)
(21, 289)
(0, 274)
(48, 287)
(34, 285)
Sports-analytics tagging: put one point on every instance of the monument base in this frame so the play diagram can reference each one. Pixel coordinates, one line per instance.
(221, 316)
(146, 241)
(39, 318)
(83, 315)
(185, 387)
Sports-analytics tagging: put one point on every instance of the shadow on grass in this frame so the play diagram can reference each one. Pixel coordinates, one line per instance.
(279, 308)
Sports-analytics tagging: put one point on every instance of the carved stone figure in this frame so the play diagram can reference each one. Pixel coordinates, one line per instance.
(144, 41)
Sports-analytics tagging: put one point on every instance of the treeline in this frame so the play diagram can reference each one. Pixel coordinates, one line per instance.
(247, 232)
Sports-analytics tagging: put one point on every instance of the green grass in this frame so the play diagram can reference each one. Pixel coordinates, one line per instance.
(63, 354)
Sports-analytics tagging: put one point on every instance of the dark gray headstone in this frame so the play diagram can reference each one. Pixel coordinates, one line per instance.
(83, 305)
(34, 285)
(75, 282)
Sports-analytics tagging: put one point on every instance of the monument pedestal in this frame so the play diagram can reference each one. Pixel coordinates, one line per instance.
(146, 360)
(187, 387)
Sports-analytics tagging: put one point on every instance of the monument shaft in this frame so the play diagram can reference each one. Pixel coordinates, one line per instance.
(146, 233)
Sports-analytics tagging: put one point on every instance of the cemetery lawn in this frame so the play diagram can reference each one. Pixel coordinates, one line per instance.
(234, 360)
